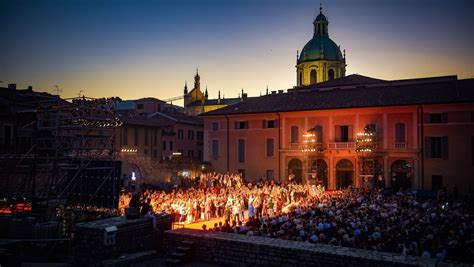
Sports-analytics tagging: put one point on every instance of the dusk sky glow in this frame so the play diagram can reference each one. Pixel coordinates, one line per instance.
(134, 49)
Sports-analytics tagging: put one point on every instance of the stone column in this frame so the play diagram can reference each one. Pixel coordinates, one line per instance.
(386, 172)
(357, 179)
(415, 175)
(331, 174)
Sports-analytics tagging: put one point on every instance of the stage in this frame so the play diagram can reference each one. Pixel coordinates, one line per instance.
(209, 223)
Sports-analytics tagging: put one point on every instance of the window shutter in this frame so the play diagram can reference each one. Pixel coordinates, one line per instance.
(276, 123)
(444, 117)
(350, 136)
(445, 147)
(338, 133)
(236, 125)
(264, 124)
(246, 124)
(427, 147)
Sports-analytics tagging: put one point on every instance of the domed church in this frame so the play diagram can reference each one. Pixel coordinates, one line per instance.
(321, 58)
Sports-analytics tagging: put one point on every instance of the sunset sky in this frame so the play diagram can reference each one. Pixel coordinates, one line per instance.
(134, 49)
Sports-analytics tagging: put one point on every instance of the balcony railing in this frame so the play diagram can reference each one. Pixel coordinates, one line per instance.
(400, 145)
(295, 145)
(341, 145)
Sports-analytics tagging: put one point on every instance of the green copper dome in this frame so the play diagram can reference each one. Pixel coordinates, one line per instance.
(321, 47)
(321, 17)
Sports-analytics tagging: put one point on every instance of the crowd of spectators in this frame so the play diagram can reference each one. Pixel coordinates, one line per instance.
(358, 218)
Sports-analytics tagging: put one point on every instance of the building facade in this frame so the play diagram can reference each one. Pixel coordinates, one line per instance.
(423, 134)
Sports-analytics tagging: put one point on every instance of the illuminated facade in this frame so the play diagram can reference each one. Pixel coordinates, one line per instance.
(321, 59)
(423, 132)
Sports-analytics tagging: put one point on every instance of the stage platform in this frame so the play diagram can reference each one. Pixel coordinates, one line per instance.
(209, 223)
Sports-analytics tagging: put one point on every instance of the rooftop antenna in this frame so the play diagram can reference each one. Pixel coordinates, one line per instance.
(80, 92)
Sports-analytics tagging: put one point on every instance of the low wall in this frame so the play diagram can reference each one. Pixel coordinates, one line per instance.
(242, 250)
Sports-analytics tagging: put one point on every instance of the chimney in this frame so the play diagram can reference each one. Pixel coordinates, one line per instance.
(280, 91)
(274, 92)
(30, 88)
(244, 96)
(12, 86)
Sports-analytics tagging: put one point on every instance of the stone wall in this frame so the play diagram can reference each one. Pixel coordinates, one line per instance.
(241, 250)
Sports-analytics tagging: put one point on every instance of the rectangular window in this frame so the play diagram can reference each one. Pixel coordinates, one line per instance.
(135, 136)
(155, 153)
(125, 136)
(294, 134)
(215, 148)
(436, 182)
(241, 125)
(164, 145)
(181, 152)
(436, 147)
(342, 133)
(215, 126)
(400, 132)
(241, 150)
(269, 124)
(200, 135)
(146, 137)
(270, 147)
(180, 134)
(191, 153)
(140, 106)
(171, 145)
(270, 174)
(145, 151)
(438, 117)
(318, 130)
(7, 135)
(190, 134)
(200, 154)
(155, 137)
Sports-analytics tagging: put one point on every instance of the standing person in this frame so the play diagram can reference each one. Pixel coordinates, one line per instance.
(235, 210)
(196, 210)
(241, 208)
(251, 212)
(265, 206)
(208, 208)
(145, 208)
(227, 210)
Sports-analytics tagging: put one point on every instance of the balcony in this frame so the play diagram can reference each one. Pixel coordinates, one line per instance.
(341, 145)
(400, 145)
(294, 145)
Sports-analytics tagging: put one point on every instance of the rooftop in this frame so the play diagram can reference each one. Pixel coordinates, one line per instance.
(356, 91)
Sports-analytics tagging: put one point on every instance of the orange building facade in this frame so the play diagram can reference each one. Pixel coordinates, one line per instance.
(424, 134)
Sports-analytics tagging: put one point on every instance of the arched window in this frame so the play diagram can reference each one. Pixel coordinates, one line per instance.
(301, 78)
(313, 78)
(331, 74)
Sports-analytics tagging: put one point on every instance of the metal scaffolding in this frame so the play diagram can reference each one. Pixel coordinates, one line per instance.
(72, 157)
